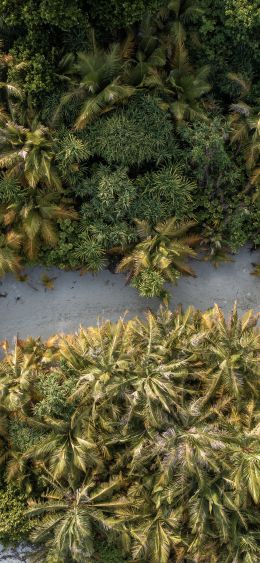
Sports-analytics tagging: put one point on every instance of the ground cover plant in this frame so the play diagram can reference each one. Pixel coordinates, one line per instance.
(112, 115)
(134, 441)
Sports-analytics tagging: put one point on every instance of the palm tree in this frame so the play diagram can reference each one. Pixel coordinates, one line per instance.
(34, 220)
(189, 87)
(100, 359)
(147, 50)
(3, 434)
(98, 82)
(168, 407)
(10, 261)
(17, 377)
(182, 89)
(10, 92)
(29, 154)
(71, 517)
(179, 86)
(184, 11)
(231, 346)
(66, 450)
(162, 249)
(245, 127)
(157, 532)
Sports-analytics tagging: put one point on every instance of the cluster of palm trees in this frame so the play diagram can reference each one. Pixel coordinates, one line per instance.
(96, 82)
(146, 432)
(245, 129)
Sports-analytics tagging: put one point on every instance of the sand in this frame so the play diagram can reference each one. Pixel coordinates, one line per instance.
(30, 309)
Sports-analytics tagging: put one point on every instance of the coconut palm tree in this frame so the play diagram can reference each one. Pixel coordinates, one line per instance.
(66, 449)
(182, 89)
(245, 127)
(17, 377)
(98, 81)
(228, 374)
(175, 16)
(189, 87)
(29, 154)
(147, 51)
(34, 220)
(162, 249)
(157, 532)
(10, 92)
(10, 261)
(71, 518)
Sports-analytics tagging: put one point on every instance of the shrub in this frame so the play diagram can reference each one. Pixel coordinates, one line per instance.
(136, 135)
(14, 525)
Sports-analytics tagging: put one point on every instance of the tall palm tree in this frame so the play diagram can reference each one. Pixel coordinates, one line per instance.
(29, 154)
(147, 51)
(34, 220)
(18, 376)
(98, 81)
(163, 249)
(66, 449)
(245, 127)
(189, 87)
(182, 12)
(10, 92)
(10, 260)
(157, 532)
(224, 342)
(71, 518)
(182, 89)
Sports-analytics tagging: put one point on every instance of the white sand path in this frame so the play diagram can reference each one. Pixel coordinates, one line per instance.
(29, 309)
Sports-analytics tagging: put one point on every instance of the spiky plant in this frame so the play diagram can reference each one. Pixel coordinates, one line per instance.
(66, 450)
(29, 154)
(98, 81)
(245, 127)
(90, 254)
(182, 89)
(10, 261)
(162, 249)
(34, 220)
(72, 516)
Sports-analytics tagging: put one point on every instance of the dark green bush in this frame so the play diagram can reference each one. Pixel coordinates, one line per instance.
(135, 135)
(108, 553)
(14, 525)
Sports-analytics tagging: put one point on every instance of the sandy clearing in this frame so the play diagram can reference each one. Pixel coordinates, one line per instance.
(79, 299)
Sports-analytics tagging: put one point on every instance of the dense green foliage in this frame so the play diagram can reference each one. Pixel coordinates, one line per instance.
(129, 133)
(135, 441)
(114, 112)
(14, 524)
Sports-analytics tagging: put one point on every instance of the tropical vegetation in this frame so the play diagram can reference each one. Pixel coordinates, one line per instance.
(115, 115)
(130, 139)
(138, 440)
